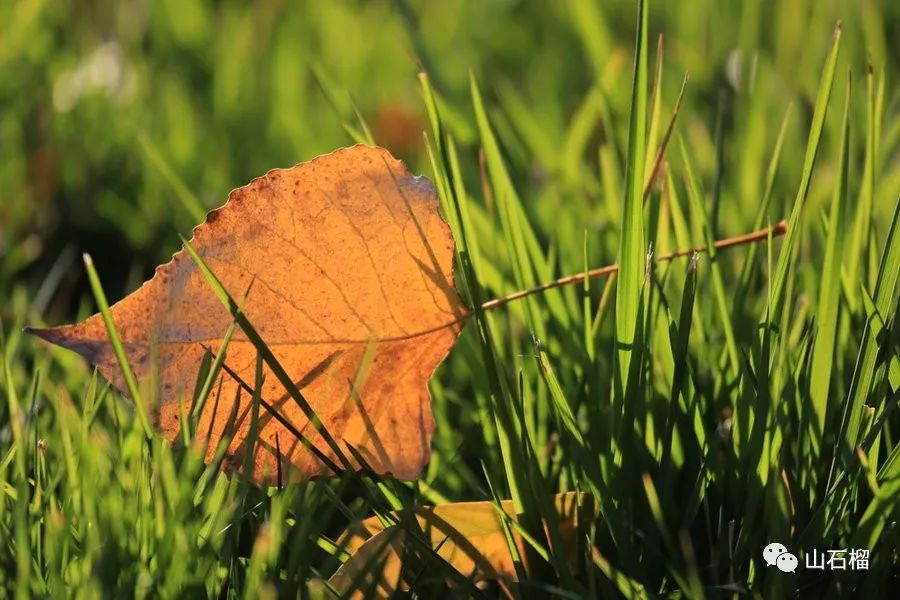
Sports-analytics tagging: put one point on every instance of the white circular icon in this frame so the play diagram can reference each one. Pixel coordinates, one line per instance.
(786, 563)
(776, 554)
(772, 552)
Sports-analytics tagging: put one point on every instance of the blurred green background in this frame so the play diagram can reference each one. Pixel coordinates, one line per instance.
(103, 103)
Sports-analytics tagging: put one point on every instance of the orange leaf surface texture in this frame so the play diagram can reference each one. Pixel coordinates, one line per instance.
(349, 268)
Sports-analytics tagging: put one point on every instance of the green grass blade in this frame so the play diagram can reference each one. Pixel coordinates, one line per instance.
(116, 342)
(695, 198)
(785, 259)
(762, 214)
(631, 246)
(264, 350)
(189, 201)
(863, 215)
(864, 373)
(823, 350)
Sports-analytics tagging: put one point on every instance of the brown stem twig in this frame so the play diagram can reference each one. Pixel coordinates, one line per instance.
(748, 238)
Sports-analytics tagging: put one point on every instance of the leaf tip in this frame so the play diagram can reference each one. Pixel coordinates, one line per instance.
(48, 334)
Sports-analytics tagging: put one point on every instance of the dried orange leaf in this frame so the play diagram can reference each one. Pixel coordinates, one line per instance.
(467, 535)
(349, 270)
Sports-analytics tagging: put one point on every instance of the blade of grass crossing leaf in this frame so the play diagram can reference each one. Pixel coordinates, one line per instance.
(442, 176)
(442, 185)
(392, 501)
(215, 368)
(829, 292)
(202, 375)
(631, 246)
(507, 533)
(201, 394)
(253, 435)
(116, 342)
(275, 414)
(261, 347)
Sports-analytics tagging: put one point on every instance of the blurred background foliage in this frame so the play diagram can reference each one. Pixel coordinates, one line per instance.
(106, 105)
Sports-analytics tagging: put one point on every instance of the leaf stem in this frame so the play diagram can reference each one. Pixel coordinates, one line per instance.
(776, 230)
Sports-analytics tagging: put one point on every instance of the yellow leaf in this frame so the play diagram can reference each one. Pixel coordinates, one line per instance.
(350, 272)
(467, 535)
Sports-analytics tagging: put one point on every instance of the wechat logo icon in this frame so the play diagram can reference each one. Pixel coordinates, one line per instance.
(777, 555)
